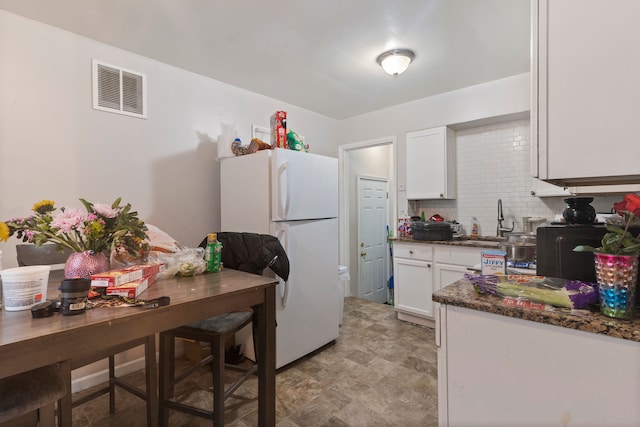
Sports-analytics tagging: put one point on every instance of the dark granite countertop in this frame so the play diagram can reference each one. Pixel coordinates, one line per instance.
(472, 242)
(461, 294)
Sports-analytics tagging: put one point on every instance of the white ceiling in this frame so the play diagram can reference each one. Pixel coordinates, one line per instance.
(316, 54)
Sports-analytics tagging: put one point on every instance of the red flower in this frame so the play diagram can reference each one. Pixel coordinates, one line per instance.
(629, 204)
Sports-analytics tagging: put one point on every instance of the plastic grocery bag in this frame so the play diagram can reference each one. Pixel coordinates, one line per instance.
(184, 262)
(553, 291)
(178, 259)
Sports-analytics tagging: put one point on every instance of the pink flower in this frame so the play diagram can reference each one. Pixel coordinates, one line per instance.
(29, 235)
(91, 216)
(105, 210)
(69, 220)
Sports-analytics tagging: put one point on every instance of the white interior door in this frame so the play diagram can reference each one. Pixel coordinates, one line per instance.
(372, 238)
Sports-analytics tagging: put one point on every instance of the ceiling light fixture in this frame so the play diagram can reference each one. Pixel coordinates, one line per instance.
(395, 61)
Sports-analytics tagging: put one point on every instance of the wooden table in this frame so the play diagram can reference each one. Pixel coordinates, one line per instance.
(27, 343)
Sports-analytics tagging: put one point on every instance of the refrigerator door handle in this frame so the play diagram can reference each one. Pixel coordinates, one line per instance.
(283, 210)
(283, 236)
(285, 296)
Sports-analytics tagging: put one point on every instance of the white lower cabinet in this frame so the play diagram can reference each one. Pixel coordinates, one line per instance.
(495, 370)
(413, 282)
(421, 269)
(452, 262)
(446, 274)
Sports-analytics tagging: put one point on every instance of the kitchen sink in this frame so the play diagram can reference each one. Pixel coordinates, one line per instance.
(491, 243)
(483, 241)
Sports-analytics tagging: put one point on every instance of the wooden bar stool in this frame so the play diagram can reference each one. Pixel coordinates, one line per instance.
(249, 252)
(31, 391)
(215, 331)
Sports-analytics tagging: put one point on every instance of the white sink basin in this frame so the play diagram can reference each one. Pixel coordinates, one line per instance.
(477, 242)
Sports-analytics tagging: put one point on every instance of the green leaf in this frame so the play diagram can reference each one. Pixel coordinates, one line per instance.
(116, 203)
(584, 248)
(614, 229)
(87, 205)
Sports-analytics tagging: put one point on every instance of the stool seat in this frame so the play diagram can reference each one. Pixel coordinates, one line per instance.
(224, 323)
(31, 390)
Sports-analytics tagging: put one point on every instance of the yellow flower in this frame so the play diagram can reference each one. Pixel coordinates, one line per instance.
(4, 232)
(43, 206)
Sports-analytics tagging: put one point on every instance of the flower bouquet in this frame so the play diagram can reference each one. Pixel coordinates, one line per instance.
(99, 228)
(616, 261)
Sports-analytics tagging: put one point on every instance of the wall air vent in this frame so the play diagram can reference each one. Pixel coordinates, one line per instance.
(119, 91)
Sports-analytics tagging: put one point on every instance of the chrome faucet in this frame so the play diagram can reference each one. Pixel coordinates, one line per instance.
(500, 229)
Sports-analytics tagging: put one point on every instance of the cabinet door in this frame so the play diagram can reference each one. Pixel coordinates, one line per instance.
(585, 105)
(446, 274)
(500, 371)
(413, 286)
(431, 164)
(541, 188)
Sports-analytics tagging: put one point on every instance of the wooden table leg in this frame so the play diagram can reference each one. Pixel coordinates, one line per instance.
(266, 358)
(166, 376)
(64, 409)
(151, 380)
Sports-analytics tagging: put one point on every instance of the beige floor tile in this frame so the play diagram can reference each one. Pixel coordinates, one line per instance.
(379, 372)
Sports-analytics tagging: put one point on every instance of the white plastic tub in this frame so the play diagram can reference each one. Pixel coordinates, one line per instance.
(24, 287)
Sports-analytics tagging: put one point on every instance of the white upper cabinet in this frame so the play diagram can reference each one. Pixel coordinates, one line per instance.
(586, 92)
(541, 188)
(431, 164)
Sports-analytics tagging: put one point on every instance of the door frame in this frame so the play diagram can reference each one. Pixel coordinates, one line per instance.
(343, 174)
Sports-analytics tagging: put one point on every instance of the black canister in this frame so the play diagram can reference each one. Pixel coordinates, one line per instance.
(73, 295)
(431, 230)
(579, 210)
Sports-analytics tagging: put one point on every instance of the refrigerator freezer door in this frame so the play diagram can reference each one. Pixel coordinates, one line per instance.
(245, 193)
(309, 318)
(303, 186)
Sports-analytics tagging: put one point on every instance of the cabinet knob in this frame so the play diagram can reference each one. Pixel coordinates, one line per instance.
(410, 252)
(428, 265)
(363, 253)
(441, 195)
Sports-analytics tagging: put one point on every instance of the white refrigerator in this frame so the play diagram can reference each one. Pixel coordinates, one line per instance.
(293, 196)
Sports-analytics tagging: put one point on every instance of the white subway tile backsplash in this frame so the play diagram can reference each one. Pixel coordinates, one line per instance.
(493, 162)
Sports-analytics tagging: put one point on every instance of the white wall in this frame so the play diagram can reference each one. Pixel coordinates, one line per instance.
(53, 145)
(493, 163)
(492, 159)
(501, 98)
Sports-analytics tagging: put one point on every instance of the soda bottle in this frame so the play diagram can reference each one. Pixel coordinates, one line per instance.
(213, 255)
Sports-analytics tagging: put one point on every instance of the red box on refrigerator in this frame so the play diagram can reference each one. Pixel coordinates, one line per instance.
(279, 130)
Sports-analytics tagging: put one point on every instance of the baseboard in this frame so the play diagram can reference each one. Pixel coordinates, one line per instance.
(417, 320)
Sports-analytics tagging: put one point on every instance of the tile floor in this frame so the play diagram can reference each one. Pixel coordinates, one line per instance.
(379, 372)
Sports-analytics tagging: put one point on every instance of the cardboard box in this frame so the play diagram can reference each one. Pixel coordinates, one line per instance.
(125, 275)
(279, 130)
(493, 262)
(132, 289)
